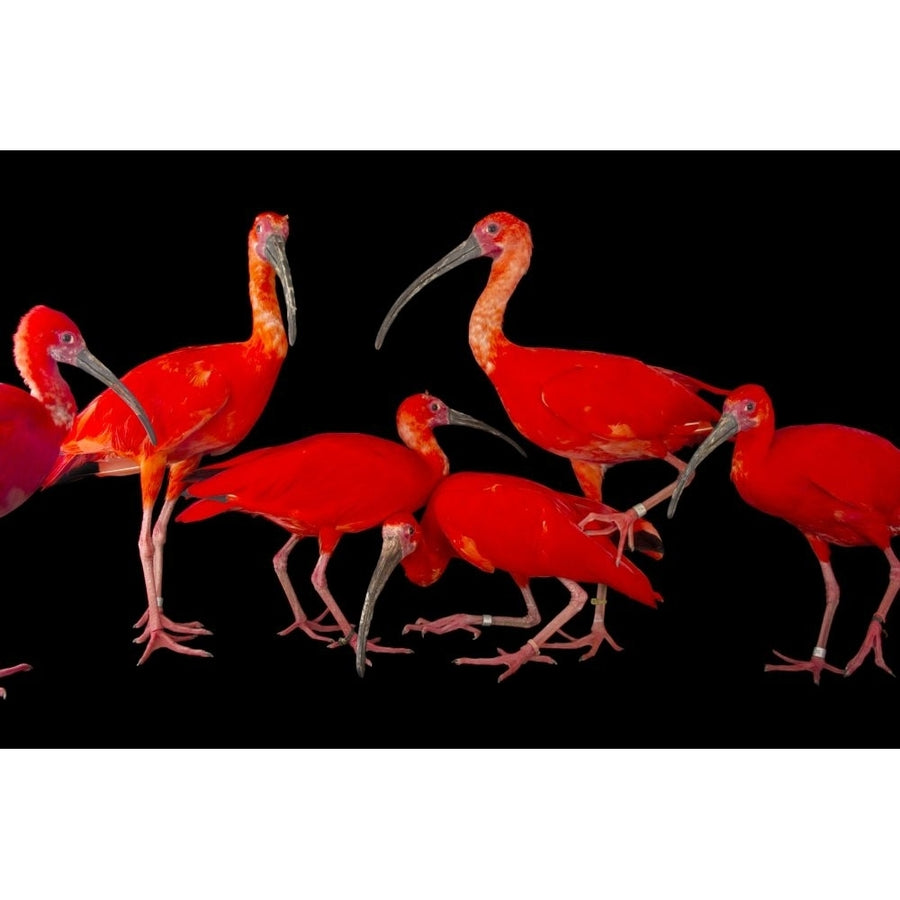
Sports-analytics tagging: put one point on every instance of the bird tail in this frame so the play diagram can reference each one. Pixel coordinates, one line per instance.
(204, 509)
(693, 384)
(77, 466)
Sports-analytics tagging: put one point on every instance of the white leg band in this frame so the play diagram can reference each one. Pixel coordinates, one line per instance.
(487, 619)
(640, 509)
(819, 652)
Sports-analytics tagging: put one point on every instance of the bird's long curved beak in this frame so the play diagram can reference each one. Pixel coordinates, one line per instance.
(391, 554)
(277, 256)
(468, 249)
(456, 417)
(87, 362)
(726, 428)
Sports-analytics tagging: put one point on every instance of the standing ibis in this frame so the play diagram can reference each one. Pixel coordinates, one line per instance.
(496, 521)
(330, 484)
(836, 484)
(595, 409)
(201, 400)
(33, 423)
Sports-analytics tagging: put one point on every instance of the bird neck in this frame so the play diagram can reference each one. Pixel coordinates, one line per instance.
(41, 373)
(486, 336)
(268, 326)
(425, 565)
(421, 440)
(751, 448)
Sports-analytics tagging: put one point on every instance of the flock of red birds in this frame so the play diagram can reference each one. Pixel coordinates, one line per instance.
(836, 484)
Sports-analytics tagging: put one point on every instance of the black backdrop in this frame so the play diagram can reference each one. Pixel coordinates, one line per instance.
(734, 267)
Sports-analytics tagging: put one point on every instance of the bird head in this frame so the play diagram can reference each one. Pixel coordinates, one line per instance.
(745, 408)
(490, 237)
(268, 237)
(400, 535)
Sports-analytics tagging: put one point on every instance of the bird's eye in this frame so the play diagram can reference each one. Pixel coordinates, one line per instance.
(493, 228)
(434, 407)
(750, 406)
(409, 531)
(259, 227)
(67, 337)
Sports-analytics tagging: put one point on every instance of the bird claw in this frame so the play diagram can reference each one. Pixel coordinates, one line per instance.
(528, 652)
(184, 630)
(872, 643)
(592, 641)
(372, 644)
(310, 627)
(623, 522)
(815, 665)
(456, 622)
(158, 638)
(195, 627)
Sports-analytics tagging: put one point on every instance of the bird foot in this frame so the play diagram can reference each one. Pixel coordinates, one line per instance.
(311, 627)
(183, 627)
(623, 522)
(21, 667)
(815, 665)
(872, 643)
(593, 641)
(528, 652)
(351, 639)
(457, 622)
(170, 636)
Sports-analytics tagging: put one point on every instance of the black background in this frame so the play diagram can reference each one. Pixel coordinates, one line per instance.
(773, 267)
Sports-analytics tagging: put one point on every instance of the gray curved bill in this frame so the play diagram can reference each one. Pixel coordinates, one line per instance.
(468, 249)
(89, 363)
(725, 429)
(277, 256)
(459, 418)
(391, 554)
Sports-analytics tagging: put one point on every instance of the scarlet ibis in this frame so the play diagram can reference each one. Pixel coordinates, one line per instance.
(332, 484)
(34, 422)
(595, 409)
(202, 400)
(496, 521)
(836, 484)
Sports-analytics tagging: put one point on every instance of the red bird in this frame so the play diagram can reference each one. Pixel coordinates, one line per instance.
(201, 400)
(838, 485)
(32, 425)
(331, 484)
(504, 522)
(595, 409)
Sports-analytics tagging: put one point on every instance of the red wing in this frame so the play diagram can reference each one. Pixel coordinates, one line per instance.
(346, 481)
(622, 398)
(180, 394)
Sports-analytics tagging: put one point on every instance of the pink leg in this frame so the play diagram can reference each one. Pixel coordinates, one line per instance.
(12, 670)
(598, 633)
(816, 663)
(349, 632)
(530, 651)
(301, 621)
(872, 642)
(466, 622)
(157, 634)
(176, 484)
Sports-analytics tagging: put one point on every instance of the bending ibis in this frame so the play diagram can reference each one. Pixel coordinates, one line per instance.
(595, 409)
(495, 521)
(331, 484)
(201, 400)
(33, 423)
(839, 486)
